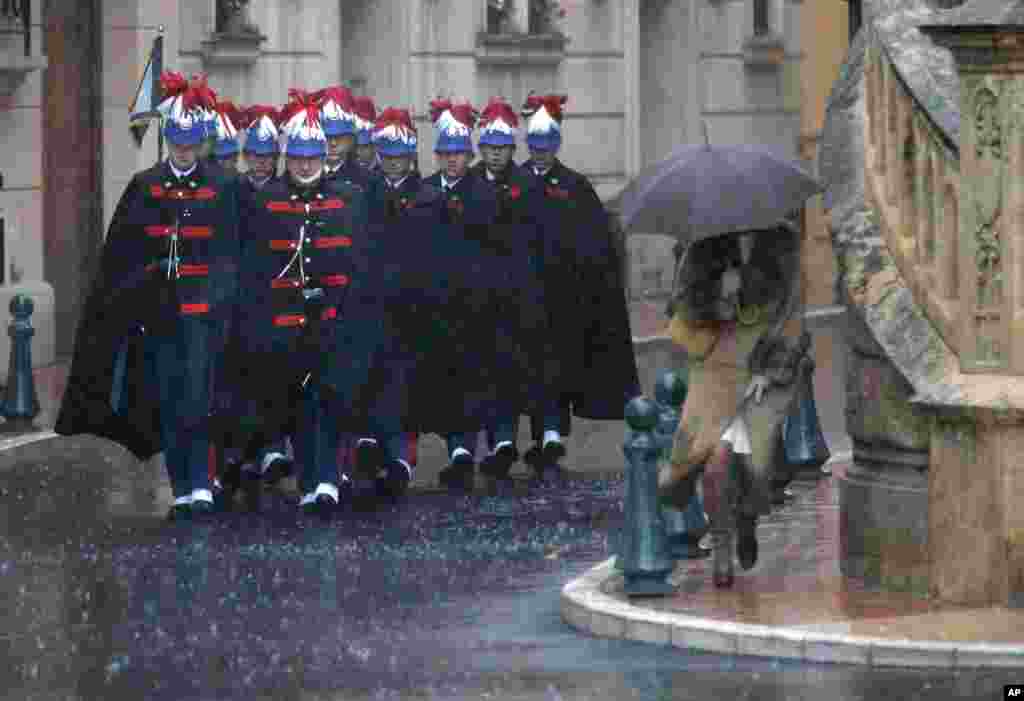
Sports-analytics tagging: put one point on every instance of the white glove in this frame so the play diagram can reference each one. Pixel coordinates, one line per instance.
(758, 384)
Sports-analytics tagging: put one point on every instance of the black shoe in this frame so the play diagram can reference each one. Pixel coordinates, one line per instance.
(231, 479)
(323, 506)
(223, 498)
(553, 451)
(395, 481)
(497, 466)
(202, 509)
(180, 512)
(746, 541)
(459, 474)
(369, 460)
(533, 459)
(278, 470)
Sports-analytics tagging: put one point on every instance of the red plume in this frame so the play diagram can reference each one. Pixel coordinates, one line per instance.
(497, 107)
(172, 84)
(364, 108)
(232, 112)
(406, 119)
(388, 117)
(437, 108)
(301, 100)
(255, 112)
(341, 95)
(465, 113)
(199, 94)
(552, 103)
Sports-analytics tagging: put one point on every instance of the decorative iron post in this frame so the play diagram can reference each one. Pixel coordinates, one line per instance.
(684, 529)
(20, 401)
(646, 564)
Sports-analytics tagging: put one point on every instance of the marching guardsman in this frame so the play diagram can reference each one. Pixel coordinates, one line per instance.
(522, 322)
(467, 387)
(316, 341)
(272, 460)
(225, 148)
(261, 150)
(366, 116)
(338, 118)
(395, 140)
(585, 294)
(153, 327)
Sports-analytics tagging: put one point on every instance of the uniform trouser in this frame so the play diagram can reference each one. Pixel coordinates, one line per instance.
(316, 440)
(179, 364)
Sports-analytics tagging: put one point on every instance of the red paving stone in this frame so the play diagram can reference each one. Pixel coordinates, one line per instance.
(797, 583)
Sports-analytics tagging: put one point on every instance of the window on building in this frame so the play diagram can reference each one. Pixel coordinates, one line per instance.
(762, 25)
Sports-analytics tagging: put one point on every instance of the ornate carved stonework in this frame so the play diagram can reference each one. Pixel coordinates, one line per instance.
(988, 131)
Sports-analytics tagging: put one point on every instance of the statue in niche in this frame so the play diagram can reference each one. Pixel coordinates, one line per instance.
(233, 18)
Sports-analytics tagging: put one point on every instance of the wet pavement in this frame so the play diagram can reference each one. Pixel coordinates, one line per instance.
(439, 597)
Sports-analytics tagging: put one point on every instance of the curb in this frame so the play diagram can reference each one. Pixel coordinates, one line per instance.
(586, 607)
(25, 439)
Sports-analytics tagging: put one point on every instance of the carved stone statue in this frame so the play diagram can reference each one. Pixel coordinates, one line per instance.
(233, 18)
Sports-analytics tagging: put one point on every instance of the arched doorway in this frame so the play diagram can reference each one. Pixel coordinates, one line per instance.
(72, 176)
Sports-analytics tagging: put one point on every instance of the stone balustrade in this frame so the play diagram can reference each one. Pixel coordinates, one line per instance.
(912, 179)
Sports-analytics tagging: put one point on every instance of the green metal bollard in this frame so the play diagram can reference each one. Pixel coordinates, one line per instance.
(647, 563)
(684, 528)
(20, 400)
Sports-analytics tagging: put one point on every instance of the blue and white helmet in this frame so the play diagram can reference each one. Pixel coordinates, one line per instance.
(544, 121)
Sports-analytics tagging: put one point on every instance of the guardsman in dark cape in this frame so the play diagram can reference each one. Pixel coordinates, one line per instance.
(337, 115)
(315, 342)
(249, 453)
(225, 147)
(461, 385)
(593, 344)
(522, 320)
(366, 117)
(395, 140)
(153, 328)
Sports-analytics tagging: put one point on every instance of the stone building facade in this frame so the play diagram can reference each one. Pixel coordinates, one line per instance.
(641, 75)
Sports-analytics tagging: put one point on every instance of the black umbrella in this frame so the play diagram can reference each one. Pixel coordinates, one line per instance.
(702, 190)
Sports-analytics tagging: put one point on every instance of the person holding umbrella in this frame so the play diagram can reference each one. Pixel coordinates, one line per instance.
(734, 312)
(736, 309)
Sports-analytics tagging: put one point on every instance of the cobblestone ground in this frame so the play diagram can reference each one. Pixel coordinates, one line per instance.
(439, 597)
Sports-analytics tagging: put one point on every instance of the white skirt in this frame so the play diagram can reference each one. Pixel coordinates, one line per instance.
(738, 434)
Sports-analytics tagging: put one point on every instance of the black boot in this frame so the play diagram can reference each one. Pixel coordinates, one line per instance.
(180, 512)
(746, 541)
(394, 483)
(369, 460)
(460, 473)
(497, 466)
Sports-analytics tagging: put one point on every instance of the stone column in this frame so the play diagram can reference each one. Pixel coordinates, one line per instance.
(884, 493)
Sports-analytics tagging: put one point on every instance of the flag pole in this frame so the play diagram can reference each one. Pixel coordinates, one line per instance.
(157, 71)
